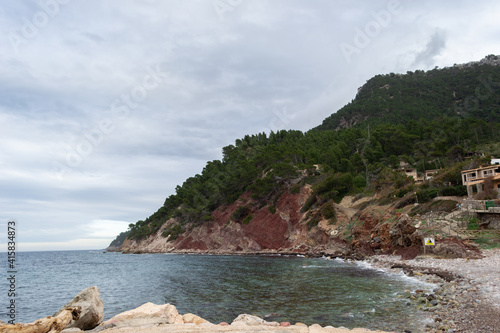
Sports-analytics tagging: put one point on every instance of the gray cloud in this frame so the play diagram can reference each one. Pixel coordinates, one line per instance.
(257, 67)
(436, 44)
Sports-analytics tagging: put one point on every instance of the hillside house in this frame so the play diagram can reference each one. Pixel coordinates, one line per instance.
(410, 171)
(476, 177)
(430, 173)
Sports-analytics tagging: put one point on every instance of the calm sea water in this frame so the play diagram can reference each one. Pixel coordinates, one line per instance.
(217, 288)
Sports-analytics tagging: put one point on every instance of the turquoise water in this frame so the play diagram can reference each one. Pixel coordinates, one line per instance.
(218, 288)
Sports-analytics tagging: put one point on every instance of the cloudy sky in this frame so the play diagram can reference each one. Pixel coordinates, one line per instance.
(106, 106)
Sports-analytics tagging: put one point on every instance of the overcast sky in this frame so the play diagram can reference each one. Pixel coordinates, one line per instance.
(106, 106)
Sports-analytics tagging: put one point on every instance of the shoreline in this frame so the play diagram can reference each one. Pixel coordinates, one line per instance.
(467, 297)
(310, 254)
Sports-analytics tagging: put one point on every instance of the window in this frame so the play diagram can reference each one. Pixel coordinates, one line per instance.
(473, 175)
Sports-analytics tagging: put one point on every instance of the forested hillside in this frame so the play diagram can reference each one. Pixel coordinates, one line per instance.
(430, 120)
(463, 91)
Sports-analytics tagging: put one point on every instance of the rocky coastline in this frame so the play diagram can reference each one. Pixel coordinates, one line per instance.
(464, 297)
(467, 294)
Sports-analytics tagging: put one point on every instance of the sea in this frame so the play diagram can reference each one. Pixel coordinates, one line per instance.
(217, 288)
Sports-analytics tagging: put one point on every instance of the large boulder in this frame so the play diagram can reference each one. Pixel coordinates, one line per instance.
(146, 314)
(452, 248)
(45, 325)
(190, 318)
(248, 320)
(91, 306)
(404, 234)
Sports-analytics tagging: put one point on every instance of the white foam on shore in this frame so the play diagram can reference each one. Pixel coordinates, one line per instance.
(400, 275)
(419, 284)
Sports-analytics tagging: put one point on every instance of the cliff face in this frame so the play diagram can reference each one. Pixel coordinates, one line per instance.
(284, 231)
(361, 228)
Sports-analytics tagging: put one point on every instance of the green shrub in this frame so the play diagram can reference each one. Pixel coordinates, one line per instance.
(488, 240)
(401, 192)
(309, 202)
(295, 189)
(118, 241)
(426, 194)
(272, 209)
(473, 225)
(459, 190)
(312, 222)
(240, 213)
(173, 231)
(247, 219)
(328, 211)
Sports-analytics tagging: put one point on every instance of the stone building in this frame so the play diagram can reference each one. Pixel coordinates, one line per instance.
(477, 177)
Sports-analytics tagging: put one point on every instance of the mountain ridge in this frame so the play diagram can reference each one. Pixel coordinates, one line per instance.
(415, 90)
(428, 120)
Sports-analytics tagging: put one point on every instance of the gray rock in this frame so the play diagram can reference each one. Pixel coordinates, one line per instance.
(248, 320)
(92, 309)
(146, 314)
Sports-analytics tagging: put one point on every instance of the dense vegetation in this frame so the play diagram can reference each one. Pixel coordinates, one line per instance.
(465, 91)
(430, 120)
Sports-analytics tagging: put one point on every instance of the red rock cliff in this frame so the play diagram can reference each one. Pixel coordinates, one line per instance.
(284, 231)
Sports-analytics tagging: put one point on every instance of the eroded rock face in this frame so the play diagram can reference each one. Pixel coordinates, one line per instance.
(266, 232)
(92, 309)
(403, 234)
(453, 248)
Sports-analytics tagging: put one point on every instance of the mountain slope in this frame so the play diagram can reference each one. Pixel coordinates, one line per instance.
(281, 191)
(469, 90)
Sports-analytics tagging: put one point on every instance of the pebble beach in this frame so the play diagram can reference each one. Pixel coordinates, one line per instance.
(467, 293)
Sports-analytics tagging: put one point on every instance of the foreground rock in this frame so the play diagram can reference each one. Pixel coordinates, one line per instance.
(146, 314)
(45, 325)
(92, 309)
(151, 318)
(209, 328)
